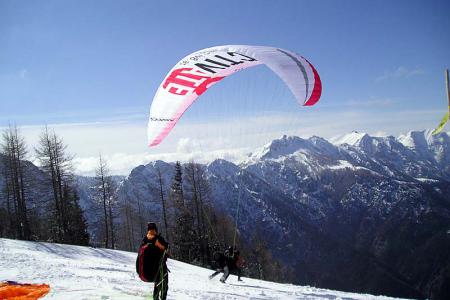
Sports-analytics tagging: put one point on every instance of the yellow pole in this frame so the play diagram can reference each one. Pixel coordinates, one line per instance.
(447, 114)
(448, 91)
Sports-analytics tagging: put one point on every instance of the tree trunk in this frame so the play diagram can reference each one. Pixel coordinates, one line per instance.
(163, 205)
(111, 225)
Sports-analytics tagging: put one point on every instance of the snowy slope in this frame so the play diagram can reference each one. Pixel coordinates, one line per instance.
(75, 272)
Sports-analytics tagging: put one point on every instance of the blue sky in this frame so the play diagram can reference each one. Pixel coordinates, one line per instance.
(89, 70)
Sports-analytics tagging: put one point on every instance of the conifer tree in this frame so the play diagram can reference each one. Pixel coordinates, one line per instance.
(105, 195)
(183, 234)
(77, 233)
(57, 164)
(201, 196)
(163, 202)
(15, 194)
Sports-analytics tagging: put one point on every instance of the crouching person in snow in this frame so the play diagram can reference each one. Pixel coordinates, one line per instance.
(232, 256)
(220, 261)
(227, 262)
(151, 262)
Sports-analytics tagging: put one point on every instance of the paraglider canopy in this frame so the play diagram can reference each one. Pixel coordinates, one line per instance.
(23, 291)
(198, 71)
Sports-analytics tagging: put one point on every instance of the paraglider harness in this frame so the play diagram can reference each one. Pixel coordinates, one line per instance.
(150, 260)
(151, 266)
(147, 265)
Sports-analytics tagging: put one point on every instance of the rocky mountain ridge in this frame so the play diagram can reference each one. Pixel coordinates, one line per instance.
(366, 205)
(360, 213)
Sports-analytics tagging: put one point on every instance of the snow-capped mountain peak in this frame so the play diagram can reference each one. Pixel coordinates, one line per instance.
(417, 140)
(354, 138)
(223, 168)
(283, 146)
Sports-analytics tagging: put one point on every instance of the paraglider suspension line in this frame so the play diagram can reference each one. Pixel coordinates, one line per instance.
(237, 210)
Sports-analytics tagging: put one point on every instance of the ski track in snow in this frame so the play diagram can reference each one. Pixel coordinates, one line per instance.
(75, 272)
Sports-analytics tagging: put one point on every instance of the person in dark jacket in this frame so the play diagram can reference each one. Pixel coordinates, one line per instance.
(239, 263)
(162, 277)
(220, 262)
(227, 262)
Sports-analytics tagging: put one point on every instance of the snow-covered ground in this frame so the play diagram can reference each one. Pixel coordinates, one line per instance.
(75, 272)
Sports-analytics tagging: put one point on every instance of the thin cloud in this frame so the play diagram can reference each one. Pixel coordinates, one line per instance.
(124, 145)
(400, 72)
(82, 117)
(379, 134)
(23, 73)
(122, 164)
(369, 103)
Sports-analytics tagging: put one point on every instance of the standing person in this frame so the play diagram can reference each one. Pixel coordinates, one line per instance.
(239, 263)
(154, 251)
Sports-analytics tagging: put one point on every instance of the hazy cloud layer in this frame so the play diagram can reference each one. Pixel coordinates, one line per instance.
(124, 144)
(400, 72)
(369, 103)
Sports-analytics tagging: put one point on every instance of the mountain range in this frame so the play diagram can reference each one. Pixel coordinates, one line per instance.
(356, 213)
(360, 213)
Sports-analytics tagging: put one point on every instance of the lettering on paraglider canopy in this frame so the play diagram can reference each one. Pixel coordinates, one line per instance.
(161, 119)
(187, 80)
(235, 59)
